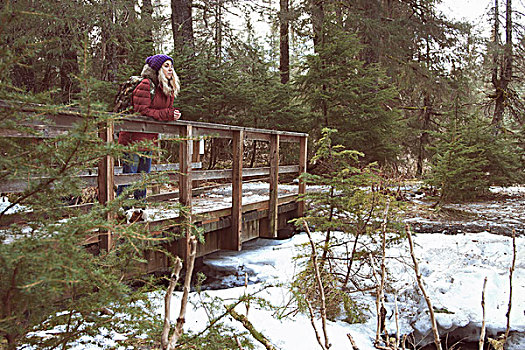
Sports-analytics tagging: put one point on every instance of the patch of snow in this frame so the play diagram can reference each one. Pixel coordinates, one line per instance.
(454, 267)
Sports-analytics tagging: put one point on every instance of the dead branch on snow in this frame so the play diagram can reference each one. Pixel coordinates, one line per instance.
(423, 291)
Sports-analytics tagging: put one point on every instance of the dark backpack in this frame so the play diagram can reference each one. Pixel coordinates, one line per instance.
(124, 98)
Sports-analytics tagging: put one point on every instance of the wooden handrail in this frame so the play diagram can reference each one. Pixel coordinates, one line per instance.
(65, 117)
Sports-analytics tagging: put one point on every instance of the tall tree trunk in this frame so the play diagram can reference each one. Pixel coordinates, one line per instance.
(69, 67)
(423, 137)
(218, 30)
(182, 26)
(284, 47)
(147, 17)
(317, 13)
(502, 70)
(372, 40)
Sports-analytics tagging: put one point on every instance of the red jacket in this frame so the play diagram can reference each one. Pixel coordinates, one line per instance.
(161, 108)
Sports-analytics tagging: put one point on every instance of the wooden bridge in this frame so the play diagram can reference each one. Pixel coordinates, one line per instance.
(225, 228)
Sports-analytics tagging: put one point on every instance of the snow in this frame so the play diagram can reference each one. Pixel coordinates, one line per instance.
(453, 268)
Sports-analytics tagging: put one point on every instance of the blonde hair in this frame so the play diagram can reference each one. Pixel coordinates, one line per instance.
(169, 86)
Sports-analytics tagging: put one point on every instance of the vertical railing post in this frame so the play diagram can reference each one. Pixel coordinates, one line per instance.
(303, 154)
(195, 157)
(274, 186)
(185, 187)
(106, 181)
(238, 150)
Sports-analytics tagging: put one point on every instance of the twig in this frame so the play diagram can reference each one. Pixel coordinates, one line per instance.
(319, 285)
(312, 320)
(167, 302)
(238, 342)
(422, 288)
(511, 272)
(380, 309)
(482, 335)
(217, 319)
(248, 325)
(380, 294)
(396, 345)
(354, 347)
(186, 290)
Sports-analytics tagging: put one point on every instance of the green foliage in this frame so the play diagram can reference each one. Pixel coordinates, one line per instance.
(353, 97)
(348, 210)
(470, 158)
(50, 280)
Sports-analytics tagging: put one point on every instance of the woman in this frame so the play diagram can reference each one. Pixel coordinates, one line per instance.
(158, 71)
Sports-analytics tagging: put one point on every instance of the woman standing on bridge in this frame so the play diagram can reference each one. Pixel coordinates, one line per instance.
(153, 97)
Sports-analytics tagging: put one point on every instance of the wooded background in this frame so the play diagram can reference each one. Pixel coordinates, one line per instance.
(419, 93)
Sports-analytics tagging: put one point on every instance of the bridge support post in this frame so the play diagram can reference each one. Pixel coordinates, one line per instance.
(273, 205)
(185, 187)
(238, 150)
(106, 181)
(303, 155)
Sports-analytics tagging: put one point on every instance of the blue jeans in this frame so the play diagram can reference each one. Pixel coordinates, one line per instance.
(134, 164)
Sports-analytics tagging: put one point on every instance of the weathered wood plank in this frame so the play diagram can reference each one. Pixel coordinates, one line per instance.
(303, 151)
(185, 185)
(106, 183)
(235, 239)
(274, 187)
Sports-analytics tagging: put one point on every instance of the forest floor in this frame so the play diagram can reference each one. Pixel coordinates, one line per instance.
(500, 212)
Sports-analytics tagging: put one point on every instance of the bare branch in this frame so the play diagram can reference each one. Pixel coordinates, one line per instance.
(319, 285)
(167, 302)
(511, 272)
(248, 325)
(482, 335)
(423, 291)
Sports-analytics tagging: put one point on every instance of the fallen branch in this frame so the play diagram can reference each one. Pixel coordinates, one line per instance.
(482, 334)
(249, 327)
(423, 291)
(354, 347)
(319, 286)
(164, 340)
(217, 319)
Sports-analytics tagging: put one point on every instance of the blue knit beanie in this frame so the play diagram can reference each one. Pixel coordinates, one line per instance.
(156, 61)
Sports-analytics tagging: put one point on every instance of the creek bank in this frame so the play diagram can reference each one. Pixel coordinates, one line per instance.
(501, 213)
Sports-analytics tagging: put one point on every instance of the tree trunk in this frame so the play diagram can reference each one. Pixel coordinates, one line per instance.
(423, 138)
(502, 70)
(182, 26)
(317, 13)
(147, 17)
(284, 47)
(218, 30)
(68, 69)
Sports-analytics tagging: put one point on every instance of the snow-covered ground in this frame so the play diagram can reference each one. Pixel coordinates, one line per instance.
(453, 268)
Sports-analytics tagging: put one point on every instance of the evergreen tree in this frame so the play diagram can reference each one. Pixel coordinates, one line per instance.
(349, 210)
(351, 96)
(469, 159)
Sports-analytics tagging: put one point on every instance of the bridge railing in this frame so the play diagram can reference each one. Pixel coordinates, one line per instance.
(188, 169)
